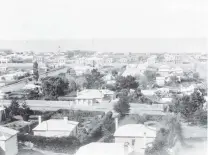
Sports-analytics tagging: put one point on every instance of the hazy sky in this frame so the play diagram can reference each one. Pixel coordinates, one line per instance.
(87, 19)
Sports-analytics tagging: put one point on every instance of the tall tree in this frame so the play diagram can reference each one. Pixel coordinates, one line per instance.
(128, 82)
(14, 107)
(35, 71)
(94, 79)
(150, 75)
(122, 106)
(188, 105)
(53, 87)
(81, 82)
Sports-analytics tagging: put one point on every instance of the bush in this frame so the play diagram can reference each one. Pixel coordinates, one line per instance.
(134, 119)
(61, 145)
(103, 128)
(200, 117)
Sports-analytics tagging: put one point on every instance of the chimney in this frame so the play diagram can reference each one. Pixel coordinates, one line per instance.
(116, 123)
(39, 119)
(77, 93)
(126, 148)
(145, 140)
(65, 120)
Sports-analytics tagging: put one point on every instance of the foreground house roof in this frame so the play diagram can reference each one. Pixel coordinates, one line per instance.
(102, 149)
(56, 125)
(135, 130)
(6, 133)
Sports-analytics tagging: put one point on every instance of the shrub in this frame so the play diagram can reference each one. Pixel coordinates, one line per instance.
(200, 116)
(122, 107)
(103, 128)
(135, 119)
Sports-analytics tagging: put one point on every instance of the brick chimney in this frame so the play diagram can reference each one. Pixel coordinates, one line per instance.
(65, 120)
(39, 119)
(116, 123)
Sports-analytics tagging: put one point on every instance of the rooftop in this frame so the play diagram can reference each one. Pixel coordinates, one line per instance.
(94, 93)
(135, 130)
(56, 125)
(102, 149)
(6, 133)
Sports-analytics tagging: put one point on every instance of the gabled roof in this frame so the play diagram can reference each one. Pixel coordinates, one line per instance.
(135, 130)
(94, 93)
(102, 149)
(56, 125)
(6, 133)
(164, 68)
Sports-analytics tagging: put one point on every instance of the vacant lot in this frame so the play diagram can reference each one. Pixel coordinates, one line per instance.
(196, 148)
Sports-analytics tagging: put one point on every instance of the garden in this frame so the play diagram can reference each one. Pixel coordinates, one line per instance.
(94, 126)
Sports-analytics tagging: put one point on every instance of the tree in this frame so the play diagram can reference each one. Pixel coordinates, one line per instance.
(14, 107)
(35, 71)
(122, 107)
(53, 87)
(196, 76)
(94, 79)
(25, 111)
(128, 82)
(114, 73)
(70, 54)
(143, 82)
(150, 75)
(81, 82)
(167, 136)
(33, 94)
(160, 58)
(188, 105)
(3, 78)
(71, 71)
(72, 86)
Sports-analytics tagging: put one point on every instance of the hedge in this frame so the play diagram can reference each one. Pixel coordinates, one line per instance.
(61, 145)
(76, 115)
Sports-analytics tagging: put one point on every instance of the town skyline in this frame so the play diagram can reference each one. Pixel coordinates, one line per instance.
(106, 45)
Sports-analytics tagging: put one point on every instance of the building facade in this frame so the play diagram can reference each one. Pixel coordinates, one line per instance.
(139, 136)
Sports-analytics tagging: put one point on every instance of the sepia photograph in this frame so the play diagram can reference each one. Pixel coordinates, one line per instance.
(103, 77)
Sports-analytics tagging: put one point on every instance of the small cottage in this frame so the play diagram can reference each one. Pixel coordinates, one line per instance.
(56, 128)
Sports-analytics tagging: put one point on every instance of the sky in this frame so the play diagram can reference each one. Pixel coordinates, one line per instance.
(104, 25)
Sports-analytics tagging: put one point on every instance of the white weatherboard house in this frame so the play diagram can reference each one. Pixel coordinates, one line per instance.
(93, 96)
(56, 128)
(8, 141)
(105, 149)
(137, 135)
